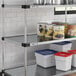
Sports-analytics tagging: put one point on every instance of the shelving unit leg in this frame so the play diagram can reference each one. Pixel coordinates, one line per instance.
(26, 64)
(3, 73)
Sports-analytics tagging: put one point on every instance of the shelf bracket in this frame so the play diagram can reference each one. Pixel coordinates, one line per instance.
(3, 73)
(25, 6)
(3, 5)
(25, 44)
(3, 38)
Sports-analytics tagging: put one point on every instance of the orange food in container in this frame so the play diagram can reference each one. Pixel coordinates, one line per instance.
(72, 31)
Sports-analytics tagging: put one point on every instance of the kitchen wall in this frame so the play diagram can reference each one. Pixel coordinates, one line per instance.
(13, 54)
(37, 15)
(11, 24)
(19, 2)
(14, 21)
(15, 2)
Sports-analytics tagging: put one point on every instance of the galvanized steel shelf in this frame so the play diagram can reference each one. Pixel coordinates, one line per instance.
(33, 40)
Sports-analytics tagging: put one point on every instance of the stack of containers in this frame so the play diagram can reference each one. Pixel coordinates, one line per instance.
(45, 58)
(62, 58)
(62, 46)
(63, 61)
(59, 58)
(74, 57)
(48, 32)
(55, 30)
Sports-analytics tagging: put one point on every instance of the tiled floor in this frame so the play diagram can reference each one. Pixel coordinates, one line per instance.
(35, 71)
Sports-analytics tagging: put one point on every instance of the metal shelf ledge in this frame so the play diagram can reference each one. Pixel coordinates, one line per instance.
(32, 40)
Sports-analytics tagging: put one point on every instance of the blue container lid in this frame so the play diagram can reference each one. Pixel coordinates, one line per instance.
(46, 52)
(63, 43)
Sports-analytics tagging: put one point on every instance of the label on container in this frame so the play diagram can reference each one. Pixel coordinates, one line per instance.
(58, 32)
(72, 31)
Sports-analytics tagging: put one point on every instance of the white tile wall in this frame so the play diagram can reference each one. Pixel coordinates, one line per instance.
(14, 21)
(15, 2)
(14, 25)
(59, 18)
(13, 54)
(36, 15)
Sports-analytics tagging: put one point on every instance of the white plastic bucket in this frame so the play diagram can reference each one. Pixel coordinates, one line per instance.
(63, 61)
(61, 46)
(45, 58)
(74, 57)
